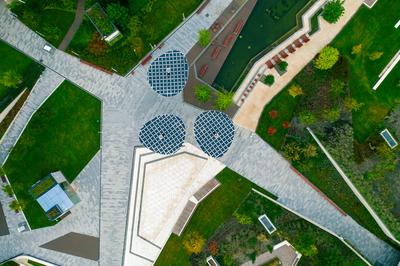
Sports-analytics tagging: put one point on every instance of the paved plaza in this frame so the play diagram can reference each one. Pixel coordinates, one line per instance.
(105, 185)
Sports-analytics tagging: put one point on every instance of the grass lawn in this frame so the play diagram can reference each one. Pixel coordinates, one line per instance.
(375, 33)
(13, 60)
(62, 135)
(162, 18)
(235, 192)
(223, 201)
(51, 19)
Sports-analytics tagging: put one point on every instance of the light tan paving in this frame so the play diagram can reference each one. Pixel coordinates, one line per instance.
(250, 112)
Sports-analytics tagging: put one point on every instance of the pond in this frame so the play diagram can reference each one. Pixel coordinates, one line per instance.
(268, 22)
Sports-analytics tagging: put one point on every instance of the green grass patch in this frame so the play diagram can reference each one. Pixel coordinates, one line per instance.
(358, 74)
(13, 60)
(376, 33)
(314, 22)
(156, 23)
(236, 192)
(51, 19)
(62, 135)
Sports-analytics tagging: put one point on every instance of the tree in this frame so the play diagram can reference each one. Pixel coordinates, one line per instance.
(307, 118)
(134, 25)
(332, 115)
(327, 58)
(8, 190)
(337, 87)
(96, 45)
(295, 90)
(17, 205)
(310, 151)
(333, 10)
(204, 37)
(11, 79)
(223, 101)
(375, 55)
(193, 242)
(137, 45)
(118, 14)
(269, 79)
(352, 104)
(202, 93)
(356, 49)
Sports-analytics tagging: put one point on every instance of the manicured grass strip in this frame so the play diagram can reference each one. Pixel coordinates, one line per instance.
(13, 60)
(62, 135)
(314, 22)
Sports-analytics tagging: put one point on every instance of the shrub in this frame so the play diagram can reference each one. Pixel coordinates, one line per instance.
(295, 90)
(204, 37)
(327, 58)
(223, 101)
(8, 190)
(269, 80)
(213, 247)
(307, 118)
(273, 114)
(228, 260)
(337, 87)
(11, 79)
(17, 205)
(310, 151)
(96, 45)
(332, 115)
(194, 242)
(333, 10)
(286, 124)
(352, 104)
(356, 49)
(271, 131)
(202, 93)
(283, 66)
(375, 55)
(292, 151)
(242, 218)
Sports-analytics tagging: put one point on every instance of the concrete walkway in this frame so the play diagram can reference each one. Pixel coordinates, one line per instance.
(129, 102)
(250, 112)
(80, 12)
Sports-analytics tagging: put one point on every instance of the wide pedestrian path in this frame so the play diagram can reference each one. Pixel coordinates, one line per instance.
(250, 112)
(128, 102)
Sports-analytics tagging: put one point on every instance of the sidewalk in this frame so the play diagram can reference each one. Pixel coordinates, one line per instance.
(250, 112)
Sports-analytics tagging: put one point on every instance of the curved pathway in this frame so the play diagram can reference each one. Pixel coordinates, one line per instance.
(80, 12)
(128, 102)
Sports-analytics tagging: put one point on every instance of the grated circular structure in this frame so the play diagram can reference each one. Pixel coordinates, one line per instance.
(214, 132)
(168, 74)
(163, 134)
